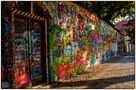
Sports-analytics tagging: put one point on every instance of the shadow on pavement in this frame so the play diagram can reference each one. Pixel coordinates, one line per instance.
(122, 59)
(95, 84)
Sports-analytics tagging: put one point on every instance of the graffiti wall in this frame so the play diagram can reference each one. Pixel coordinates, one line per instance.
(22, 44)
(79, 40)
(6, 60)
(21, 53)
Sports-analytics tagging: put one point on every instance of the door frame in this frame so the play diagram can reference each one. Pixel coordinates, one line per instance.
(29, 16)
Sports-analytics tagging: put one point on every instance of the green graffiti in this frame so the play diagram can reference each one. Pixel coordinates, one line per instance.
(77, 34)
(53, 31)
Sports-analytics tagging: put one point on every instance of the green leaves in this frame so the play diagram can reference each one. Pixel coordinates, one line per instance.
(110, 10)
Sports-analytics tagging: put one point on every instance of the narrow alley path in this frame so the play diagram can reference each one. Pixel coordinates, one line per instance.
(119, 73)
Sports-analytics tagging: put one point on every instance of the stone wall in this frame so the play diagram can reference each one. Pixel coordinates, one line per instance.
(78, 40)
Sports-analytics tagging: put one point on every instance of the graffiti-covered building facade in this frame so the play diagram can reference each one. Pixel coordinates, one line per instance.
(43, 42)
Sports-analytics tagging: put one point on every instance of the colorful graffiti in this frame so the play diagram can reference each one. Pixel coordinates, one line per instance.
(79, 40)
(27, 42)
(35, 51)
(20, 43)
(6, 56)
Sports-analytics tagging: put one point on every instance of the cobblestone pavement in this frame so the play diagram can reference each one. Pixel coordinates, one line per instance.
(119, 73)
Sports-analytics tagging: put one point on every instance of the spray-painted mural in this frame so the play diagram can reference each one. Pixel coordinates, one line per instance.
(78, 41)
(20, 66)
(6, 54)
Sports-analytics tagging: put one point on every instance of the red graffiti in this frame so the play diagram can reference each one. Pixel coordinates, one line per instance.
(79, 59)
(3, 74)
(82, 48)
(67, 66)
(106, 38)
(22, 80)
(75, 38)
(96, 53)
(93, 17)
(81, 26)
(60, 71)
(59, 41)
